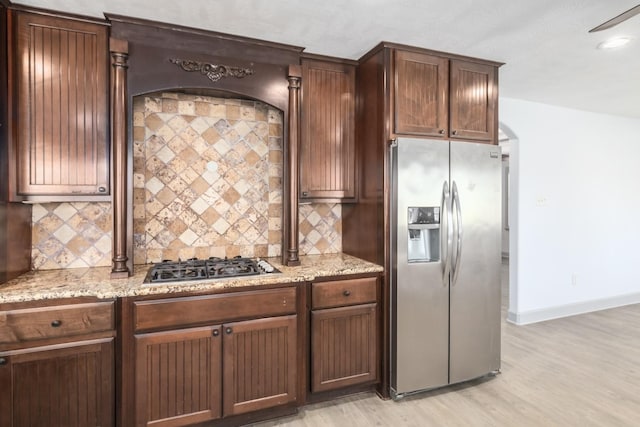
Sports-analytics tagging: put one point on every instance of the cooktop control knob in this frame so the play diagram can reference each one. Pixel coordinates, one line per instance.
(264, 265)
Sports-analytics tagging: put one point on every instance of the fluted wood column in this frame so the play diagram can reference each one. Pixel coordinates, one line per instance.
(119, 50)
(290, 195)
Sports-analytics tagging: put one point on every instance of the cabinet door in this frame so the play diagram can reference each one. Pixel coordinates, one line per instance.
(259, 364)
(64, 385)
(343, 347)
(62, 98)
(474, 97)
(178, 378)
(327, 158)
(421, 94)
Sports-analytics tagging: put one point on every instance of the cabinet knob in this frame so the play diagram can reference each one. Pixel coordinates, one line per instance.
(441, 131)
(102, 189)
(56, 323)
(305, 194)
(346, 292)
(455, 132)
(216, 332)
(3, 361)
(228, 331)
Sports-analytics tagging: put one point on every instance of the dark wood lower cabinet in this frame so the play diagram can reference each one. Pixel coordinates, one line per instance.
(69, 384)
(178, 377)
(343, 347)
(259, 364)
(190, 376)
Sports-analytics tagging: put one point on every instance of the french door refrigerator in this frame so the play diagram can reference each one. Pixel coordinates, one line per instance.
(445, 263)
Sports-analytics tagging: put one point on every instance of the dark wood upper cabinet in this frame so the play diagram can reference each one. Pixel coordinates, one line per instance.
(444, 97)
(327, 159)
(60, 99)
(421, 94)
(474, 97)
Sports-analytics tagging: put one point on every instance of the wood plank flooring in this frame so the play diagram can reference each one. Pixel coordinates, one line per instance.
(577, 371)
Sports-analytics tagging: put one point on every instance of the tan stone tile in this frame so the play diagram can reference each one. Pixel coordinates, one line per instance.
(177, 144)
(138, 133)
(210, 216)
(169, 106)
(233, 112)
(211, 136)
(261, 251)
(171, 95)
(251, 158)
(261, 112)
(186, 253)
(261, 129)
(50, 223)
(275, 250)
(177, 227)
(231, 196)
(153, 122)
(275, 129)
(91, 256)
(275, 156)
(186, 107)
(152, 105)
(202, 108)
(232, 251)
(154, 255)
(166, 196)
(275, 237)
(322, 245)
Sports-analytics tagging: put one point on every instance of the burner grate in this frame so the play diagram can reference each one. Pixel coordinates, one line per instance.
(212, 268)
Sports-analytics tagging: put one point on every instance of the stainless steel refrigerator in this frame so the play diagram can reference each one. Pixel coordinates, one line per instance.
(445, 263)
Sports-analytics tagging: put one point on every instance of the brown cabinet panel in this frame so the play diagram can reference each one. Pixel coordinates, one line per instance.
(55, 321)
(259, 360)
(343, 347)
(189, 311)
(473, 101)
(178, 377)
(63, 385)
(421, 94)
(327, 158)
(343, 292)
(61, 70)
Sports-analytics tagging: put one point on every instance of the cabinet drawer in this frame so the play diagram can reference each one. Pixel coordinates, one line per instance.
(343, 292)
(208, 309)
(56, 321)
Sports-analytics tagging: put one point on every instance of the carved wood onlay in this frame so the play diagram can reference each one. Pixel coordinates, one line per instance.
(213, 72)
(290, 196)
(119, 58)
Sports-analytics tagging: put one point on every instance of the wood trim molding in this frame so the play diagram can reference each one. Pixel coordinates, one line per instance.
(119, 56)
(290, 190)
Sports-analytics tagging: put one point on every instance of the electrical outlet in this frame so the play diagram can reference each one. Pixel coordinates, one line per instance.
(574, 279)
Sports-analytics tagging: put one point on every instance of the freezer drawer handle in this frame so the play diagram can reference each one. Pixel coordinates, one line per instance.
(456, 206)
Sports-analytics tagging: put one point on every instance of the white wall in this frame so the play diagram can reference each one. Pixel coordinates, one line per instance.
(575, 210)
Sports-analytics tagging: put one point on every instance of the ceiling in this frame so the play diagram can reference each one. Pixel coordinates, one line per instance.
(548, 53)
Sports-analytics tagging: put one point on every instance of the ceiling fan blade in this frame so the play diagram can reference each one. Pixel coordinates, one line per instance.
(618, 19)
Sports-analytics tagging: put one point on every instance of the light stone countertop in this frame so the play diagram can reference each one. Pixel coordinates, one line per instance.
(96, 281)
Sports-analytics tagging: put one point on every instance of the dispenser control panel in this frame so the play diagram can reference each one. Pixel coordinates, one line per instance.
(424, 215)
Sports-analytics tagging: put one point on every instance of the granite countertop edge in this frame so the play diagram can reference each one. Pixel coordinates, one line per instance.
(96, 282)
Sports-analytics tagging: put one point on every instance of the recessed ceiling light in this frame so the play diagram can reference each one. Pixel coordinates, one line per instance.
(614, 43)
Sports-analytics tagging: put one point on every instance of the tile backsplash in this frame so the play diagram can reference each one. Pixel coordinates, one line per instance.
(207, 178)
(69, 235)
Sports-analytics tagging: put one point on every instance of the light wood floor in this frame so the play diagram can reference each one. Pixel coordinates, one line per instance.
(578, 371)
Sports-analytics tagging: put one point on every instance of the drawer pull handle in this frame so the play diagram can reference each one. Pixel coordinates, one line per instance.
(56, 323)
(3, 361)
(216, 332)
(346, 293)
(228, 331)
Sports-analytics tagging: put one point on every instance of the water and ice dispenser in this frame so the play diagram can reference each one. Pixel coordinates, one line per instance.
(424, 234)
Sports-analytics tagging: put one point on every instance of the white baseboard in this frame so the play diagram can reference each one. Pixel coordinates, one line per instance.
(540, 315)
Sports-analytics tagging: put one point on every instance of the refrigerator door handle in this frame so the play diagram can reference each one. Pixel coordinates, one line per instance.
(446, 241)
(458, 241)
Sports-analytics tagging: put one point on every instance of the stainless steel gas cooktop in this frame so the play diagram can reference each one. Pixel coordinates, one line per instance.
(212, 268)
